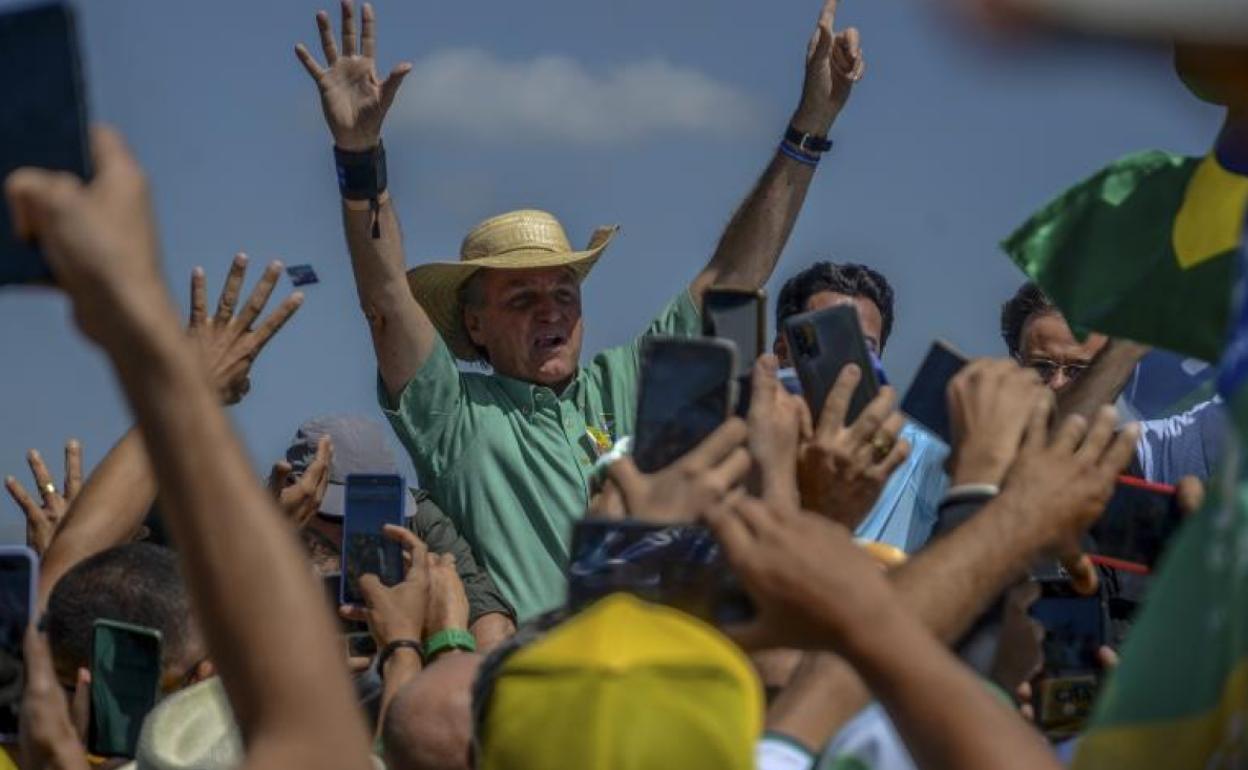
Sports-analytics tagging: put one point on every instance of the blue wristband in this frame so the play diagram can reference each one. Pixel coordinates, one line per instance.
(799, 156)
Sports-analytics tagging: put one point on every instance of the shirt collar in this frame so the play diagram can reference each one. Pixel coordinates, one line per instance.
(525, 394)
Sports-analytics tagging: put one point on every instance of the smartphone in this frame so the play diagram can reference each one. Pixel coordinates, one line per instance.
(821, 344)
(44, 119)
(19, 574)
(679, 566)
(926, 402)
(687, 391)
(372, 502)
(125, 685)
(1138, 522)
(1075, 627)
(739, 315)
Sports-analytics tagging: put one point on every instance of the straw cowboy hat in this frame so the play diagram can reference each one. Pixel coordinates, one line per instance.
(517, 240)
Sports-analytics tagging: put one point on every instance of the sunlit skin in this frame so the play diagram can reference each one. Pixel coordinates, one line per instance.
(529, 322)
(1047, 338)
(868, 317)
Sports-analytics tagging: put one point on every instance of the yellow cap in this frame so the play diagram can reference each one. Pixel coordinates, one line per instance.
(624, 685)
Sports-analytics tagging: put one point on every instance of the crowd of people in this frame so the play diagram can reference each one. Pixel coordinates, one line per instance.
(888, 574)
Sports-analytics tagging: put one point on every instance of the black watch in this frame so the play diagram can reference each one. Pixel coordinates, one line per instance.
(807, 142)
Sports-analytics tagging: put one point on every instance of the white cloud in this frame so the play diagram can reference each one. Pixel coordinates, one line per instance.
(555, 98)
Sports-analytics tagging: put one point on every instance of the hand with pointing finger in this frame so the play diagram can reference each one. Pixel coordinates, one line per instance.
(354, 99)
(834, 63)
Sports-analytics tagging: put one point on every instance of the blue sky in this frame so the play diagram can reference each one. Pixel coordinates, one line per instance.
(654, 115)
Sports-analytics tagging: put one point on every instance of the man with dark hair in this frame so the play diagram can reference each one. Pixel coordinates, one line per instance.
(824, 284)
(138, 583)
(1086, 374)
(906, 509)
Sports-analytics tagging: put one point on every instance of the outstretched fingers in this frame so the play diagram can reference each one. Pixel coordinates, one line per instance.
(328, 46)
(260, 295)
(233, 285)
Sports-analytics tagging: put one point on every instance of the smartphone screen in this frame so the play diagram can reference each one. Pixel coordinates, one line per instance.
(1138, 522)
(926, 402)
(18, 571)
(125, 684)
(686, 393)
(43, 122)
(821, 343)
(739, 316)
(372, 502)
(679, 566)
(1074, 629)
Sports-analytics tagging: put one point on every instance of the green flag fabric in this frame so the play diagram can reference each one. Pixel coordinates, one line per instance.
(1143, 249)
(1179, 700)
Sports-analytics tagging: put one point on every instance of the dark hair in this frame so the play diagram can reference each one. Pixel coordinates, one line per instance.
(1028, 301)
(136, 583)
(850, 279)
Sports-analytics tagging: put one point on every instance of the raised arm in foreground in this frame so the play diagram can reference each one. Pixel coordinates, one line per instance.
(294, 710)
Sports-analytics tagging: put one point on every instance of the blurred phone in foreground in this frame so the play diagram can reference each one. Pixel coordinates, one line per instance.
(372, 502)
(43, 121)
(739, 315)
(686, 393)
(19, 570)
(1075, 628)
(679, 566)
(926, 402)
(821, 343)
(125, 684)
(1138, 522)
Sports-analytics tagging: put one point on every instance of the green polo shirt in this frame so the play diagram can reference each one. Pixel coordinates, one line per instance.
(509, 461)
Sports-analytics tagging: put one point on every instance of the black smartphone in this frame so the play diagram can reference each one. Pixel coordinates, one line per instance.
(1138, 522)
(686, 392)
(372, 502)
(739, 315)
(821, 343)
(19, 571)
(926, 402)
(1075, 627)
(44, 119)
(125, 685)
(679, 566)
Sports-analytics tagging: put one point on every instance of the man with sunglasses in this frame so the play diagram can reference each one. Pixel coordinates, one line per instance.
(1086, 374)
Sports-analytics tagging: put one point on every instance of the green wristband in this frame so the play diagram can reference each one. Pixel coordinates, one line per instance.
(450, 639)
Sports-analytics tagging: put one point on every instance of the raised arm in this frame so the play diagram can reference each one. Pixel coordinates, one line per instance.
(355, 102)
(1103, 381)
(756, 234)
(294, 710)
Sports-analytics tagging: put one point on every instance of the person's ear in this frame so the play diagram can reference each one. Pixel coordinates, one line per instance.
(473, 324)
(205, 669)
(781, 348)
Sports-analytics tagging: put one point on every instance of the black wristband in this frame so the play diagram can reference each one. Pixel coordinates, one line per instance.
(394, 647)
(361, 175)
(807, 143)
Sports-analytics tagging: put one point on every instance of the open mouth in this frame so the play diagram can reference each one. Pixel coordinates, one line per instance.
(547, 342)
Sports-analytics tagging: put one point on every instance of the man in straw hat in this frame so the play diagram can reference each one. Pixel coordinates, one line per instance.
(508, 455)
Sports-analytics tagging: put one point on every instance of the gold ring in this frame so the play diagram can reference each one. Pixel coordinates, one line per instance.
(49, 488)
(881, 445)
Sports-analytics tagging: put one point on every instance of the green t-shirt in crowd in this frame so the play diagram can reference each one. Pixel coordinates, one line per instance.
(510, 461)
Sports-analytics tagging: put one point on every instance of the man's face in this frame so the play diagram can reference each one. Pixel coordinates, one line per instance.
(869, 318)
(530, 323)
(1048, 346)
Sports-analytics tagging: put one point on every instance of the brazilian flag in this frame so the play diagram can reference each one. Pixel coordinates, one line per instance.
(1143, 249)
(1179, 700)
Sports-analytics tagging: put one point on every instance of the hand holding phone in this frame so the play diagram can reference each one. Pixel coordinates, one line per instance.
(821, 344)
(372, 502)
(686, 393)
(1137, 524)
(1075, 628)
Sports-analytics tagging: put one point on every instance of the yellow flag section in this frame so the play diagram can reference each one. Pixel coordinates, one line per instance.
(1211, 217)
(1216, 739)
